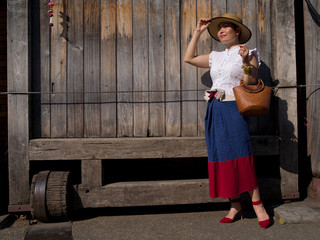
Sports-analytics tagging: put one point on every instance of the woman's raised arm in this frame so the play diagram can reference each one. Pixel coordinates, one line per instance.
(190, 55)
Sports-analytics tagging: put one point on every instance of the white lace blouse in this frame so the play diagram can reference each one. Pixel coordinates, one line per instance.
(225, 68)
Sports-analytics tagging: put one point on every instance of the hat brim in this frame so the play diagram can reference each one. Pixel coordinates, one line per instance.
(213, 28)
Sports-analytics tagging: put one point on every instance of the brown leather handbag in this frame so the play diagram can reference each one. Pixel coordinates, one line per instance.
(252, 100)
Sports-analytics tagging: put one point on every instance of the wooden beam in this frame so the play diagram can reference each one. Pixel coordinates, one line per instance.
(134, 148)
(124, 194)
(151, 193)
(19, 75)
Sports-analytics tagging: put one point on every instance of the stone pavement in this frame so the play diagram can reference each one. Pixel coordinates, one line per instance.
(292, 220)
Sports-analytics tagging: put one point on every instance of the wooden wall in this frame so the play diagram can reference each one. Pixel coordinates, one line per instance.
(3, 108)
(312, 45)
(101, 59)
(115, 67)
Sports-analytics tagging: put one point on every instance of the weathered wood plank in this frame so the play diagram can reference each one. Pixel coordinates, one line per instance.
(144, 193)
(204, 47)
(249, 18)
(19, 76)
(91, 173)
(265, 123)
(189, 73)
(58, 71)
(91, 68)
(124, 68)
(45, 69)
(156, 68)
(235, 6)
(312, 51)
(140, 68)
(134, 148)
(75, 69)
(172, 68)
(284, 67)
(108, 69)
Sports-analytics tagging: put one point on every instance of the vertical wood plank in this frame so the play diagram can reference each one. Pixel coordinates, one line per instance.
(284, 66)
(19, 76)
(189, 73)
(75, 69)
(91, 173)
(312, 52)
(108, 69)
(156, 68)
(264, 31)
(124, 68)
(92, 68)
(235, 6)
(265, 123)
(249, 18)
(140, 67)
(204, 47)
(58, 71)
(172, 68)
(45, 69)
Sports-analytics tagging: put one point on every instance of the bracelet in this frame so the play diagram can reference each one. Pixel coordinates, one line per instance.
(247, 69)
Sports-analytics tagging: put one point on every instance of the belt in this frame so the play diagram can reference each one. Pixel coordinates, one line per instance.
(218, 94)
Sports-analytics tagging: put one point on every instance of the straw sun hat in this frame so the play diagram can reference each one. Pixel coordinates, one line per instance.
(213, 28)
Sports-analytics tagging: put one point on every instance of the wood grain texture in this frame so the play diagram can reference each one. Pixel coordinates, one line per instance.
(108, 68)
(204, 47)
(134, 148)
(92, 69)
(58, 71)
(156, 68)
(284, 69)
(172, 68)
(124, 69)
(75, 71)
(312, 51)
(19, 76)
(140, 68)
(144, 193)
(45, 70)
(189, 73)
(91, 173)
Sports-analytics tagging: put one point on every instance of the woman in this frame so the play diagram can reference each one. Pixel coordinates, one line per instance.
(230, 160)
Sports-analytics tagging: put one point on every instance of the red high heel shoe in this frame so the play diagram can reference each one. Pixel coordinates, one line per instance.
(229, 220)
(264, 223)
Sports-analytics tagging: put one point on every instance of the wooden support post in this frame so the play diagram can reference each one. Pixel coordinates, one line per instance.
(284, 67)
(19, 75)
(91, 173)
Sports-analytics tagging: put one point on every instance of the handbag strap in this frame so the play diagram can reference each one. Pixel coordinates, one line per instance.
(252, 88)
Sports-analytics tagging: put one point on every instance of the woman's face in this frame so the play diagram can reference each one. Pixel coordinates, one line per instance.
(227, 33)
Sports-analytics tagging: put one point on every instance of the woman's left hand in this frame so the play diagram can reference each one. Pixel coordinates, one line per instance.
(244, 53)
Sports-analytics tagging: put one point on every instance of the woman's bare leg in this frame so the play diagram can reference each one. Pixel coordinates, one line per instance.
(235, 207)
(259, 209)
